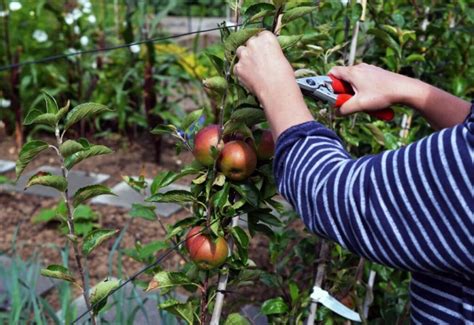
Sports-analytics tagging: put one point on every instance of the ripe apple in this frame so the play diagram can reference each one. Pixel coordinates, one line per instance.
(237, 160)
(205, 139)
(264, 145)
(204, 251)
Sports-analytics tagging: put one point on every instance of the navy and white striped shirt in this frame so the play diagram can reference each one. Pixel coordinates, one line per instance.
(410, 208)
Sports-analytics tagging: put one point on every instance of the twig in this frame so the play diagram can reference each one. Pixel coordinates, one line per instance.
(72, 233)
(222, 284)
(369, 294)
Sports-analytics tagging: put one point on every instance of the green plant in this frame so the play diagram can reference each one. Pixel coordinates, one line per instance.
(70, 152)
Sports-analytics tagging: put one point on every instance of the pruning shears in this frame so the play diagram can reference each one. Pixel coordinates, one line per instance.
(336, 92)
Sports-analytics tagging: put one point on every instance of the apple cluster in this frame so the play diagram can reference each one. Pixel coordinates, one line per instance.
(237, 156)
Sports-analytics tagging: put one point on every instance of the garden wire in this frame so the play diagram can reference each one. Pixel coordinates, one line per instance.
(106, 49)
(146, 268)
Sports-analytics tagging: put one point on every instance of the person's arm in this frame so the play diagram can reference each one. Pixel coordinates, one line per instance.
(410, 208)
(376, 88)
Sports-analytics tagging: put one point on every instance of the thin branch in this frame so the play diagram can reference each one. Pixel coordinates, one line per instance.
(320, 274)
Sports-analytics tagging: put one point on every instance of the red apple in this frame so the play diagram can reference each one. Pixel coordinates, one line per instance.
(237, 160)
(204, 251)
(205, 139)
(264, 145)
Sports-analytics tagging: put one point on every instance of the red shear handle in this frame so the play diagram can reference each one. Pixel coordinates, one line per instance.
(345, 90)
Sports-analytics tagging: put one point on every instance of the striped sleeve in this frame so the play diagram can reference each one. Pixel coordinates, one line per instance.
(410, 208)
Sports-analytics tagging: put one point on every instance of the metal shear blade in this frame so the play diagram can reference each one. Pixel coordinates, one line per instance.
(318, 87)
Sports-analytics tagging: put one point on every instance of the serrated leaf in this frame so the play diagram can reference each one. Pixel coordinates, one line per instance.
(221, 197)
(58, 272)
(249, 116)
(88, 192)
(175, 196)
(296, 13)
(386, 38)
(242, 241)
(287, 42)
(95, 238)
(166, 280)
(101, 292)
(146, 212)
(236, 319)
(45, 118)
(79, 156)
(236, 39)
(274, 306)
(46, 179)
(265, 217)
(28, 153)
(70, 147)
(183, 310)
(83, 111)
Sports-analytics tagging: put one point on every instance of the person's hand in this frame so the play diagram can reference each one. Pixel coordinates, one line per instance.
(264, 70)
(374, 87)
(262, 67)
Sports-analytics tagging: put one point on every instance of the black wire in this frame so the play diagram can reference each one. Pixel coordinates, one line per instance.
(105, 49)
(146, 268)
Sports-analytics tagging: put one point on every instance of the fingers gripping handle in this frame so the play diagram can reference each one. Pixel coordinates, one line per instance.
(345, 90)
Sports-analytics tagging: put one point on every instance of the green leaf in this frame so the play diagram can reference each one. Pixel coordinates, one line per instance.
(221, 197)
(296, 13)
(63, 111)
(28, 153)
(387, 39)
(88, 192)
(165, 280)
(237, 39)
(70, 147)
(249, 192)
(415, 57)
(242, 240)
(83, 111)
(249, 116)
(101, 292)
(183, 310)
(37, 117)
(236, 319)
(265, 217)
(166, 178)
(294, 291)
(46, 179)
(377, 133)
(274, 306)
(95, 238)
(175, 196)
(141, 253)
(146, 212)
(79, 156)
(217, 84)
(45, 215)
(164, 129)
(51, 104)
(58, 272)
(258, 11)
(191, 118)
(287, 42)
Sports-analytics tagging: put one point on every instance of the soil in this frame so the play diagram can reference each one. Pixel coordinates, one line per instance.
(17, 209)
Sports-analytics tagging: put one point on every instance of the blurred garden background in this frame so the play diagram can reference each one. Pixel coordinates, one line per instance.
(146, 61)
